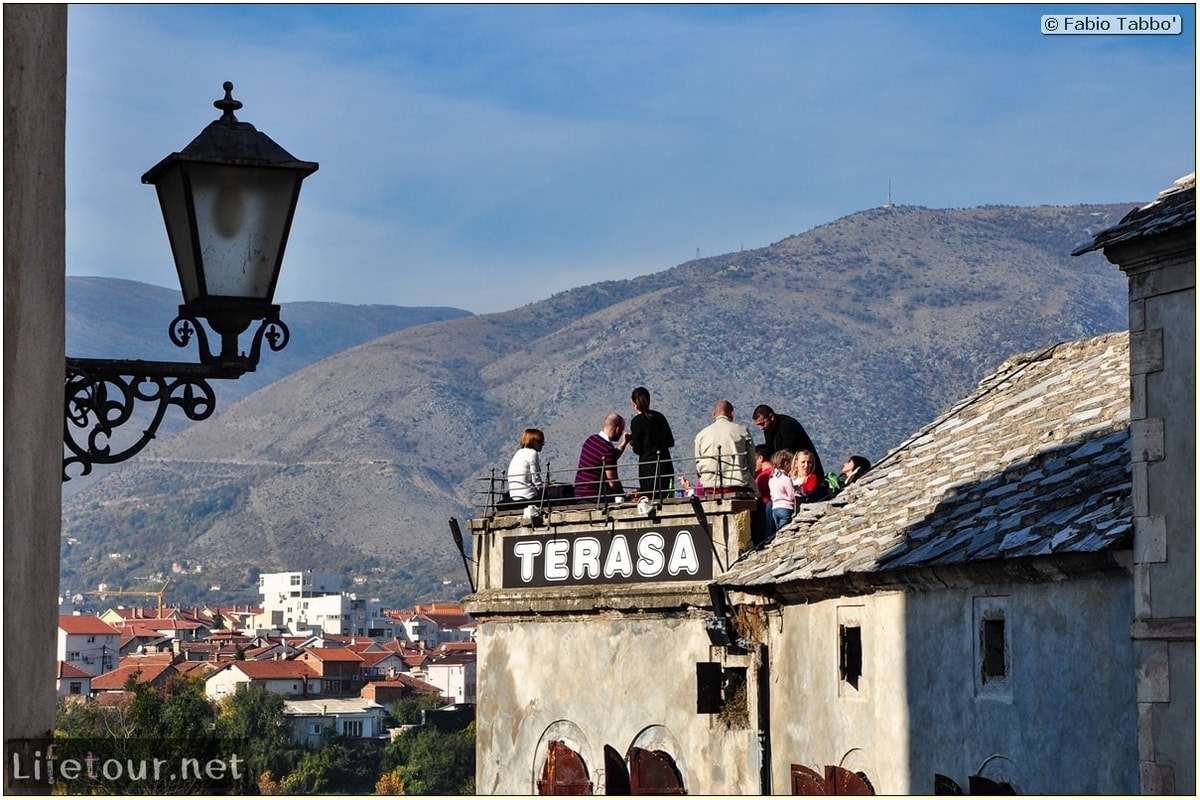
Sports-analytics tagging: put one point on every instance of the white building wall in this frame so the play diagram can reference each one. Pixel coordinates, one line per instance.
(328, 614)
(297, 584)
(457, 682)
(226, 682)
(921, 707)
(553, 678)
(95, 654)
(65, 684)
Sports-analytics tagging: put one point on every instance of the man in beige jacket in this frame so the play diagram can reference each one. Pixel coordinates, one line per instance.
(725, 453)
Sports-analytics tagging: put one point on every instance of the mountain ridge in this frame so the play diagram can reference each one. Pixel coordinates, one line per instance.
(863, 328)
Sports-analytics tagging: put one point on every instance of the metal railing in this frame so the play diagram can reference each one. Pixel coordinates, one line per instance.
(558, 486)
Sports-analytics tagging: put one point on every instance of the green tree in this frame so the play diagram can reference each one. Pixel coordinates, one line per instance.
(341, 766)
(151, 726)
(250, 723)
(407, 710)
(186, 712)
(428, 761)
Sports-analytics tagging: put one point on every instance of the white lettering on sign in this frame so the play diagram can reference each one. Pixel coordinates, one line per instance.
(619, 562)
(587, 558)
(557, 568)
(527, 552)
(630, 556)
(650, 554)
(683, 557)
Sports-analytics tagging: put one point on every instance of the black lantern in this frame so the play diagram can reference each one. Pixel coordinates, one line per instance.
(227, 199)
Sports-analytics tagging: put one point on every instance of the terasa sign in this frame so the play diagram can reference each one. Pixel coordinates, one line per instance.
(630, 556)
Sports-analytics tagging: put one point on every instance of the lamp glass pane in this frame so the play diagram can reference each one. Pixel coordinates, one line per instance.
(241, 215)
(172, 198)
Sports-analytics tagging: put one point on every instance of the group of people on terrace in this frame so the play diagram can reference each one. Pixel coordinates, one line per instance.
(784, 472)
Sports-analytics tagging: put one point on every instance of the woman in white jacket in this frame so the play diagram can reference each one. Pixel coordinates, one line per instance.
(525, 470)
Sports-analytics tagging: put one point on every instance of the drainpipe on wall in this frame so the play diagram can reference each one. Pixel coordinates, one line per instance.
(763, 681)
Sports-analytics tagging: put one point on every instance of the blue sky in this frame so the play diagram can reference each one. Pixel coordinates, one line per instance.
(488, 156)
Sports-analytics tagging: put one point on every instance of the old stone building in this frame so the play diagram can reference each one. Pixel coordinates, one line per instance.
(1004, 604)
(1156, 247)
(593, 639)
(963, 610)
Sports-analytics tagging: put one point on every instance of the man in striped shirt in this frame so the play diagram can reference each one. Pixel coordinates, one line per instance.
(597, 473)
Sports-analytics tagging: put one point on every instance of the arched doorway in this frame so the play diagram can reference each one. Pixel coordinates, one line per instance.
(563, 772)
(653, 772)
(836, 780)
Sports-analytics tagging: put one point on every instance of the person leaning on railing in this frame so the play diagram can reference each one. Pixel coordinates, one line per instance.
(725, 453)
(597, 473)
(651, 438)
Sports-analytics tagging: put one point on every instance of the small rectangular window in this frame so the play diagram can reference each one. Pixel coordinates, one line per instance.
(709, 696)
(992, 649)
(850, 653)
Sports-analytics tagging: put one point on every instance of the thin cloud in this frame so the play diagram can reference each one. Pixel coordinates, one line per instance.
(486, 156)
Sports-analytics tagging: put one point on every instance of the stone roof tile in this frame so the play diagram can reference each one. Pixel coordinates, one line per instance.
(1173, 208)
(1050, 474)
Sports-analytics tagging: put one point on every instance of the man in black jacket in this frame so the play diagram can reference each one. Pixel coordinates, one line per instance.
(785, 433)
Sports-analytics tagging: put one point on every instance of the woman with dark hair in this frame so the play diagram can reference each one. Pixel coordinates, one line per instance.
(853, 469)
(651, 438)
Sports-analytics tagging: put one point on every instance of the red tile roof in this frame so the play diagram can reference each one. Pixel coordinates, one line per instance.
(409, 682)
(68, 670)
(160, 624)
(85, 624)
(200, 667)
(114, 680)
(273, 669)
(333, 654)
(371, 659)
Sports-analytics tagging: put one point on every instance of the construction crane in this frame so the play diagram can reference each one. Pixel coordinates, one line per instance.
(131, 593)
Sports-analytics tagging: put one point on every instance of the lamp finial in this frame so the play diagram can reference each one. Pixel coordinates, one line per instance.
(227, 104)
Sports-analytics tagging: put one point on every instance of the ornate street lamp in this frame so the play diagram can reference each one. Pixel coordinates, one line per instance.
(227, 199)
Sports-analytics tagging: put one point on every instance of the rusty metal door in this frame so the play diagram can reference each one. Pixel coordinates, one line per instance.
(841, 781)
(564, 772)
(616, 773)
(806, 781)
(835, 781)
(653, 772)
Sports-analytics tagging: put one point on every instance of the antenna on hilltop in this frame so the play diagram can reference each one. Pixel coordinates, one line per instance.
(888, 204)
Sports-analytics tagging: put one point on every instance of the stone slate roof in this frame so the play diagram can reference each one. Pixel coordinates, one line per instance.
(1173, 208)
(1036, 461)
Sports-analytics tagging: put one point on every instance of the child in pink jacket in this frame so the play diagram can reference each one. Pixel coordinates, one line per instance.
(783, 492)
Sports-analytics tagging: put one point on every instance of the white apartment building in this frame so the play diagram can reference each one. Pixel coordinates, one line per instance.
(88, 642)
(305, 603)
(455, 674)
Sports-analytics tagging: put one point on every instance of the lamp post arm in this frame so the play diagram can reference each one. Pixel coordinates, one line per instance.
(101, 395)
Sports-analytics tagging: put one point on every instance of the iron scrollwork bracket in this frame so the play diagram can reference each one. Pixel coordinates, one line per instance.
(102, 394)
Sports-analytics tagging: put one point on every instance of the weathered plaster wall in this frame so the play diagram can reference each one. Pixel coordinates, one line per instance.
(1162, 324)
(920, 710)
(35, 64)
(549, 678)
